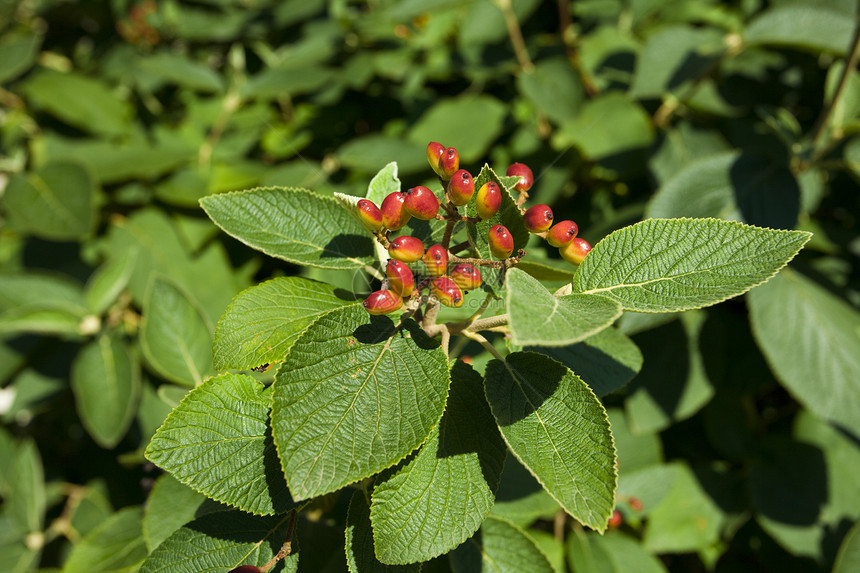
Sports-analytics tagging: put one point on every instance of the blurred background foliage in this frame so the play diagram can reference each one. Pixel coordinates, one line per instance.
(117, 116)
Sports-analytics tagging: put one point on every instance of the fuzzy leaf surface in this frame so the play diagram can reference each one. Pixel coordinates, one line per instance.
(558, 429)
(263, 321)
(440, 497)
(354, 396)
(217, 441)
(499, 547)
(667, 265)
(294, 225)
(541, 319)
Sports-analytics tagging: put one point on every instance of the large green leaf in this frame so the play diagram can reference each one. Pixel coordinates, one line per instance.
(607, 126)
(175, 337)
(106, 384)
(541, 319)
(263, 321)
(811, 26)
(56, 201)
(439, 498)
(41, 303)
(499, 547)
(294, 225)
(115, 546)
(811, 340)
(217, 441)
(218, 542)
(558, 429)
(354, 396)
(359, 541)
(614, 552)
(170, 505)
(667, 265)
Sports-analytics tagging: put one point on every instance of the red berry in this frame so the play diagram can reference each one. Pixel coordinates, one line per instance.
(446, 290)
(436, 260)
(421, 203)
(489, 200)
(382, 302)
(562, 233)
(635, 504)
(245, 569)
(394, 216)
(461, 187)
(434, 154)
(406, 248)
(575, 252)
(501, 242)
(537, 219)
(400, 277)
(449, 163)
(525, 174)
(369, 214)
(467, 276)
(615, 519)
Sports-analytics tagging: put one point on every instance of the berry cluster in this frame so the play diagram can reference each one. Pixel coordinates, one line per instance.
(448, 285)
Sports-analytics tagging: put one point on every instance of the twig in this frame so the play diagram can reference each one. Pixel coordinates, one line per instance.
(483, 342)
(516, 35)
(286, 548)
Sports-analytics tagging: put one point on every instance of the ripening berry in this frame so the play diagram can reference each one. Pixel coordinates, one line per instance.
(382, 302)
(406, 248)
(400, 277)
(537, 219)
(575, 252)
(489, 200)
(461, 187)
(434, 154)
(446, 290)
(245, 569)
(615, 519)
(436, 260)
(394, 216)
(636, 504)
(369, 214)
(525, 174)
(449, 163)
(421, 203)
(467, 276)
(501, 241)
(562, 233)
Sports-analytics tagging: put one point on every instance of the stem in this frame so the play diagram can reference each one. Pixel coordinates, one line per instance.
(483, 342)
(516, 35)
(569, 39)
(286, 548)
(231, 103)
(489, 322)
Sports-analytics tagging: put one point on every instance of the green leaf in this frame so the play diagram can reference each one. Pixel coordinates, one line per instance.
(553, 87)
(848, 558)
(359, 541)
(521, 499)
(814, 27)
(175, 69)
(170, 505)
(667, 265)
(607, 126)
(470, 123)
(18, 51)
(558, 429)
(383, 184)
(263, 321)
(499, 547)
(807, 334)
(606, 361)
(217, 441)
(218, 542)
(367, 153)
(439, 498)
(175, 337)
(354, 396)
(55, 202)
(25, 502)
(115, 546)
(294, 225)
(614, 552)
(109, 280)
(80, 101)
(541, 319)
(106, 384)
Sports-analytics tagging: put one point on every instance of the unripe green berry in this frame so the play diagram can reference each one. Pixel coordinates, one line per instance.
(525, 174)
(489, 200)
(369, 214)
(501, 241)
(562, 233)
(575, 252)
(537, 219)
(421, 203)
(461, 187)
(466, 276)
(436, 260)
(394, 216)
(245, 569)
(449, 163)
(400, 277)
(446, 291)
(434, 154)
(382, 302)
(406, 248)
